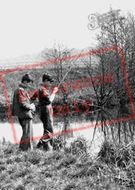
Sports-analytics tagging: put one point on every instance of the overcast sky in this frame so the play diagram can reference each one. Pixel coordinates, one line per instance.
(29, 26)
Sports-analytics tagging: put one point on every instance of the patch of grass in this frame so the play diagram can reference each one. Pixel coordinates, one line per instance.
(67, 161)
(68, 169)
(34, 157)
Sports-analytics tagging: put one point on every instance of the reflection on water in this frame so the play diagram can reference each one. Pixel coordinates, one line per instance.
(83, 129)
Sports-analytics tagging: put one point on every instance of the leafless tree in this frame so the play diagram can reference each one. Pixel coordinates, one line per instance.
(119, 33)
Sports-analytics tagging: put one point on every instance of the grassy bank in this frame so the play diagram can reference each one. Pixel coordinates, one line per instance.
(68, 168)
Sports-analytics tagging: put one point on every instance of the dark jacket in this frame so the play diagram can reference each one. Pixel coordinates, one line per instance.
(43, 96)
(21, 105)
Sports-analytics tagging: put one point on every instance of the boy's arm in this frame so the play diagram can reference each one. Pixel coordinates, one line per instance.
(55, 90)
(34, 96)
(23, 100)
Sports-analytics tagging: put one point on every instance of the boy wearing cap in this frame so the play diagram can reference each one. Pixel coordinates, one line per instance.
(46, 110)
(23, 109)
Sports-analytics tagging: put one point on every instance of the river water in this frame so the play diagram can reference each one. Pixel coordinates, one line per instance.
(81, 129)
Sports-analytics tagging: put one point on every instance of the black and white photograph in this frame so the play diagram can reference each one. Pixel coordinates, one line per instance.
(67, 92)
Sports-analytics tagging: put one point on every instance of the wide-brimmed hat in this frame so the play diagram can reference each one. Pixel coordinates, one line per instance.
(27, 77)
(47, 77)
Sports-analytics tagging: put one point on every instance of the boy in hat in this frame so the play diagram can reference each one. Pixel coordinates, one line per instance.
(46, 110)
(23, 109)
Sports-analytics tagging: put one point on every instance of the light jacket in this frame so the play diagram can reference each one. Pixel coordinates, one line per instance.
(21, 105)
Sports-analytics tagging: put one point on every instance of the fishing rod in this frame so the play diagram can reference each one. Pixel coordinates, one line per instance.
(69, 69)
(32, 88)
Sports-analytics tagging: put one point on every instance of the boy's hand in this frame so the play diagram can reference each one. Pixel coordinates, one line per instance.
(33, 107)
(55, 90)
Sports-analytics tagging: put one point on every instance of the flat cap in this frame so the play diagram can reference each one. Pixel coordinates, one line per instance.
(47, 77)
(27, 77)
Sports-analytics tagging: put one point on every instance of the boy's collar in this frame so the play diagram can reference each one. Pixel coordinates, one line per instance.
(22, 85)
(44, 85)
